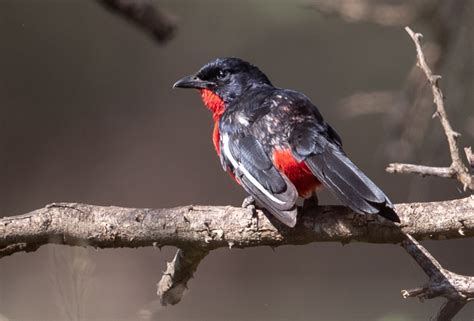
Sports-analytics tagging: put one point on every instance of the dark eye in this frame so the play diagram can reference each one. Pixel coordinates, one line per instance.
(222, 74)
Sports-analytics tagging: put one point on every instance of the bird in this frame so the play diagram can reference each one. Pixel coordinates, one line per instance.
(276, 144)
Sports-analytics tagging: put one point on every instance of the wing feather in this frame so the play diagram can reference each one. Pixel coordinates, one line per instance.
(255, 170)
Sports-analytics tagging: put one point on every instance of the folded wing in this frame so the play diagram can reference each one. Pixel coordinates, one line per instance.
(255, 171)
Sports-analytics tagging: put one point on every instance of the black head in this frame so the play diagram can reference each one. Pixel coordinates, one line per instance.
(227, 77)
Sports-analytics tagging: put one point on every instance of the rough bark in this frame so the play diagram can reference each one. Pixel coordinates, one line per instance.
(209, 227)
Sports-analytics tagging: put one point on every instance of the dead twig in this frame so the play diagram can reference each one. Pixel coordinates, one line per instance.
(458, 289)
(457, 169)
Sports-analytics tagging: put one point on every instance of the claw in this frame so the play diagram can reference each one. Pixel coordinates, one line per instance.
(248, 202)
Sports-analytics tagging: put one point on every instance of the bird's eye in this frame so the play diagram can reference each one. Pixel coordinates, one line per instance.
(222, 74)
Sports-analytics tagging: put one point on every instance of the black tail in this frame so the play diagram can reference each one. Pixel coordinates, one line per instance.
(349, 184)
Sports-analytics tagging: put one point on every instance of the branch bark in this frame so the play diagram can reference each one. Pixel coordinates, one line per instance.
(196, 230)
(210, 227)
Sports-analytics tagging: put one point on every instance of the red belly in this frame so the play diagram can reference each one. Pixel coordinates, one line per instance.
(297, 172)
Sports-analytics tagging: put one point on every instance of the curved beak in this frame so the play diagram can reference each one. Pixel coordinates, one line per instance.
(192, 82)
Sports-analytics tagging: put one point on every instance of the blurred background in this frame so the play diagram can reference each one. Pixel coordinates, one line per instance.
(87, 114)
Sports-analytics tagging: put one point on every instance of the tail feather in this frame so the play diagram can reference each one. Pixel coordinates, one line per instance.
(347, 182)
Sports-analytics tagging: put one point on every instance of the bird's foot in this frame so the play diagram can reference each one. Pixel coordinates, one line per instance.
(249, 202)
(311, 203)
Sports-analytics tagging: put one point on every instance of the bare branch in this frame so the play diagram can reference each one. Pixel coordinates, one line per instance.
(144, 15)
(196, 230)
(398, 168)
(457, 169)
(210, 227)
(458, 289)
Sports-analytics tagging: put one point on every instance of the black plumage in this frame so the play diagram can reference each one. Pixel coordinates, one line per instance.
(259, 120)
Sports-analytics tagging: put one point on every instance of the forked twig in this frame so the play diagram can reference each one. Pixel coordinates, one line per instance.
(457, 169)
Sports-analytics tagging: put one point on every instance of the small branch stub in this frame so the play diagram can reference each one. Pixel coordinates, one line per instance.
(173, 284)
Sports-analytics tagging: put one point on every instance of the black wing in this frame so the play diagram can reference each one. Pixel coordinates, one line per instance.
(320, 147)
(245, 156)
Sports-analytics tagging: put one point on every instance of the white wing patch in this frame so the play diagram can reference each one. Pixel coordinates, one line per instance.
(237, 165)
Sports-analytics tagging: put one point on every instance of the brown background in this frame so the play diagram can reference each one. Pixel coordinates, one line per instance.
(87, 114)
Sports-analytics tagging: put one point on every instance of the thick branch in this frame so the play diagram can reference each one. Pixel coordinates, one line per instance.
(207, 227)
(457, 169)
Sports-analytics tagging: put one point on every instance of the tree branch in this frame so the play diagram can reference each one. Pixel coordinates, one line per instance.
(458, 289)
(145, 16)
(210, 227)
(400, 168)
(196, 230)
(457, 169)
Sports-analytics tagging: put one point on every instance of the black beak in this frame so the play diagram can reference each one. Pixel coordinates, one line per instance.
(193, 82)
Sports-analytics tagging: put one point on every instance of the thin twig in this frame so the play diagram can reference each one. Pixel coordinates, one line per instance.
(457, 169)
(445, 172)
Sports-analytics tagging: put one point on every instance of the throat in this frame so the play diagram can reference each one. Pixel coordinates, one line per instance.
(216, 105)
(213, 102)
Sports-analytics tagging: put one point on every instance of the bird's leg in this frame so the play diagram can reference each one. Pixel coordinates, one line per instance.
(311, 202)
